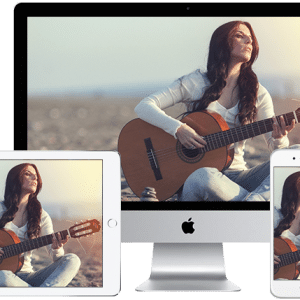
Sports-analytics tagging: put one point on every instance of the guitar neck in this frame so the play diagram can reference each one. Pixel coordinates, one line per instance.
(233, 135)
(31, 244)
(289, 258)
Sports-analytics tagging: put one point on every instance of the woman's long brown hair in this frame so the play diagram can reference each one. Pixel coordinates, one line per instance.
(12, 195)
(217, 72)
(289, 202)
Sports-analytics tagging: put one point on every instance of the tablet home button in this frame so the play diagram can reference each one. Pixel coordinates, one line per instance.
(112, 223)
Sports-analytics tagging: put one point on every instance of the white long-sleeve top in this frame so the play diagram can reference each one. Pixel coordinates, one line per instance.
(191, 87)
(46, 228)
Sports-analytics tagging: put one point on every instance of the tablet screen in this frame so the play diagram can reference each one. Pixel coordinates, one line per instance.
(42, 196)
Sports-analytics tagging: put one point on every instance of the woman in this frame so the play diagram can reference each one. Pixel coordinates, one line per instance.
(22, 213)
(230, 88)
(287, 219)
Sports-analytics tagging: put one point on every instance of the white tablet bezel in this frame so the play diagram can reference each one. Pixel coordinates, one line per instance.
(111, 211)
(282, 158)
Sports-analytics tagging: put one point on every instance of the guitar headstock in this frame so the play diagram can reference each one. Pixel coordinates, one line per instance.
(84, 228)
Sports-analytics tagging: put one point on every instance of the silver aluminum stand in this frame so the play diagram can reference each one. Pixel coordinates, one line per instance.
(188, 267)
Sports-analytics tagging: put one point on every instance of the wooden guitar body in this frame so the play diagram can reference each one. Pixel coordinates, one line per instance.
(282, 246)
(14, 263)
(150, 157)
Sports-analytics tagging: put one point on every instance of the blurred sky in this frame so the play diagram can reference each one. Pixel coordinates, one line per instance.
(75, 53)
(70, 187)
(280, 175)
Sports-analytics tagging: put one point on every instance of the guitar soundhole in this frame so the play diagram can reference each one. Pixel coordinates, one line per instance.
(188, 155)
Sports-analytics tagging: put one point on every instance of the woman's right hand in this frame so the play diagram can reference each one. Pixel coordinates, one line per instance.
(189, 138)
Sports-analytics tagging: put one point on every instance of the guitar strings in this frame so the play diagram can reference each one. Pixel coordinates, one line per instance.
(214, 140)
(80, 242)
(227, 137)
(81, 245)
(288, 258)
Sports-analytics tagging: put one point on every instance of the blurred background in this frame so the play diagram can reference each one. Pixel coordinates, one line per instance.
(86, 74)
(72, 189)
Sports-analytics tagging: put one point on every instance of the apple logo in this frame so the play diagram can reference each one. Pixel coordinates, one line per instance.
(187, 227)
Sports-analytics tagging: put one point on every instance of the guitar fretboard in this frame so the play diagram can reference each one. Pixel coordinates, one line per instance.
(30, 244)
(233, 135)
(289, 258)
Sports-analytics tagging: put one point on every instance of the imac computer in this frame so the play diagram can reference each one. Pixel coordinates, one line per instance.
(89, 65)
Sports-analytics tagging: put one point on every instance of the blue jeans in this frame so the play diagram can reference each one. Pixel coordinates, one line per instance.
(209, 184)
(59, 273)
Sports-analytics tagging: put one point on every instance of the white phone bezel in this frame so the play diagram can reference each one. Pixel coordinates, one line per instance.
(111, 210)
(282, 158)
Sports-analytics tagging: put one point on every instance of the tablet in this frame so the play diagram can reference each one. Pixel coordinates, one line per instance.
(76, 195)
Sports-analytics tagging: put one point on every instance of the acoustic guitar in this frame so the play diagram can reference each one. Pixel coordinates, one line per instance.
(150, 157)
(13, 248)
(289, 256)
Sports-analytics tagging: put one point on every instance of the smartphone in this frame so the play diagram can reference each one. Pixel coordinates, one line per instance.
(285, 223)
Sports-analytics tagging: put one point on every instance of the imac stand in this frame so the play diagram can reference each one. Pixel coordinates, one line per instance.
(188, 267)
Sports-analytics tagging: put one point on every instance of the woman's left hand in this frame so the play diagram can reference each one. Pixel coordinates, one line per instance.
(58, 242)
(281, 130)
(277, 260)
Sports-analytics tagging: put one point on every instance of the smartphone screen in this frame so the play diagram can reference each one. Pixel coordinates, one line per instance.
(286, 221)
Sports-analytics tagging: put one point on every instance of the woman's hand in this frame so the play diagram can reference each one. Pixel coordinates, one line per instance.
(58, 242)
(276, 260)
(189, 138)
(281, 130)
(1, 252)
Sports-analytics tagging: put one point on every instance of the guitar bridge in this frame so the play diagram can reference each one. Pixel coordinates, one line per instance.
(152, 159)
